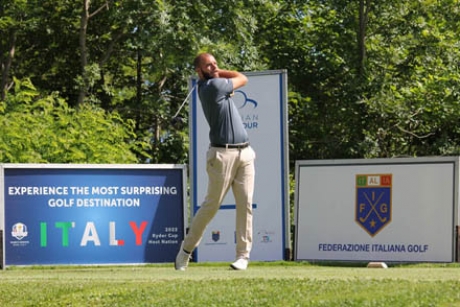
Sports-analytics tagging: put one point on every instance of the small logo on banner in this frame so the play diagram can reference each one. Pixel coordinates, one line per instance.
(265, 236)
(373, 201)
(19, 231)
(248, 106)
(216, 236)
(243, 100)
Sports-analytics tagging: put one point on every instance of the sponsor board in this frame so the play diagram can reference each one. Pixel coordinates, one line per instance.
(400, 210)
(83, 214)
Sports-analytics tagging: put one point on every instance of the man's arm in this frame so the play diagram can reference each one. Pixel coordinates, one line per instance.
(238, 79)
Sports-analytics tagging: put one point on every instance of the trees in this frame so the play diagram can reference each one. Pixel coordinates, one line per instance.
(413, 80)
(316, 42)
(43, 129)
(366, 79)
(17, 18)
(131, 57)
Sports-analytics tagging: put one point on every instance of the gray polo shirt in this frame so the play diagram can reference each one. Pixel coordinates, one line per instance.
(225, 123)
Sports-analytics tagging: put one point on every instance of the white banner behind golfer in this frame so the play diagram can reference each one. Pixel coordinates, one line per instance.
(263, 107)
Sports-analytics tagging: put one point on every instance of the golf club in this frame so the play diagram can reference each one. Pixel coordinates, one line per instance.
(176, 120)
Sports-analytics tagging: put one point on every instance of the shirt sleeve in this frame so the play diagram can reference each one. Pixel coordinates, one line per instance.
(224, 85)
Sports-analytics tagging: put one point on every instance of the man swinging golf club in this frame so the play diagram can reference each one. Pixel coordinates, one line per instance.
(229, 160)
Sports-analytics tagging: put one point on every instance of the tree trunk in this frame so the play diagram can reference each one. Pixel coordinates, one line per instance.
(364, 6)
(139, 78)
(83, 52)
(6, 65)
(85, 17)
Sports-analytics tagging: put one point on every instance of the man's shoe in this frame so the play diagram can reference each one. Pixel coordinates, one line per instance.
(182, 259)
(240, 264)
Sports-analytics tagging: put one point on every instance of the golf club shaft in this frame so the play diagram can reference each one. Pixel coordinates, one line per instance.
(185, 100)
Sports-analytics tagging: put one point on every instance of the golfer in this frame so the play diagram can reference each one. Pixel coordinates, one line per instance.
(229, 160)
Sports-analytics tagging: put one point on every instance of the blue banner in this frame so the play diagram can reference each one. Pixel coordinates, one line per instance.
(93, 215)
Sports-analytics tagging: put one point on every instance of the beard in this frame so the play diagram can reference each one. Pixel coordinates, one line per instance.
(206, 75)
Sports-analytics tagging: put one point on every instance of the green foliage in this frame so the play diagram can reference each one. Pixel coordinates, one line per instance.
(315, 42)
(400, 99)
(403, 102)
(413, 101)
(44, 129)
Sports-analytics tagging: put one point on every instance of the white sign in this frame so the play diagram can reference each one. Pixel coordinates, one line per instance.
(262, 104)
(400, 210)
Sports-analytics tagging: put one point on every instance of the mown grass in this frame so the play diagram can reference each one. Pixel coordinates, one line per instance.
(263, 284)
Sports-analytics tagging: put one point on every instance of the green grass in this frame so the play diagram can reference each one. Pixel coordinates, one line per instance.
(263, 284)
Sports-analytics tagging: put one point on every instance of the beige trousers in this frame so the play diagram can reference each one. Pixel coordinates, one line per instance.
(227, 168)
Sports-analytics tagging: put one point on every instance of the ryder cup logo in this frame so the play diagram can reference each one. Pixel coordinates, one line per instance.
(19, 231)
(373, 202)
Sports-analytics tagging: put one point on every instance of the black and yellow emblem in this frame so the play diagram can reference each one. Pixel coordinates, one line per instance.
(373, 201)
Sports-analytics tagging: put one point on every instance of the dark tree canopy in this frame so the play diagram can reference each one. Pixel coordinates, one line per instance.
(99, 80)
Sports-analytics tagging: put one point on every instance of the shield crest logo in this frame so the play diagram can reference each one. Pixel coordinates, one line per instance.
(373, 202)
(216, 236)
(19, 231)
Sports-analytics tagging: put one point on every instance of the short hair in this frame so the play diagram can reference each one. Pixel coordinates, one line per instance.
(199, 57)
